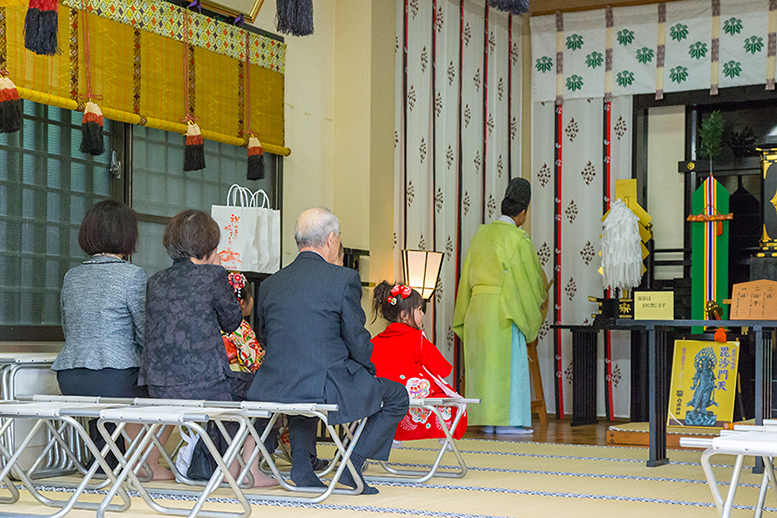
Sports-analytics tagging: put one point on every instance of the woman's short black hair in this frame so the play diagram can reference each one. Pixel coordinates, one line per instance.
(109, 227)
(191, 233)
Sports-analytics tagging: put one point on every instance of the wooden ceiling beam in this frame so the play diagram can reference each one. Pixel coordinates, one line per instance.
(543, 7)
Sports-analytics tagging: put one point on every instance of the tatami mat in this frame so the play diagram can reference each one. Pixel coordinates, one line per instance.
(505, 479)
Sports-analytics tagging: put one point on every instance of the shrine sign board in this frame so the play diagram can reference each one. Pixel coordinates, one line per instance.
(704, 383)
(754, 300)
(653, 305)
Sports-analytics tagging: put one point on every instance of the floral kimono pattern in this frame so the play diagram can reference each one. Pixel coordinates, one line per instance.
(244, 352)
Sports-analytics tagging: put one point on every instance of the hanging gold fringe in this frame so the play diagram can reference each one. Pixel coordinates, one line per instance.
(149, 122)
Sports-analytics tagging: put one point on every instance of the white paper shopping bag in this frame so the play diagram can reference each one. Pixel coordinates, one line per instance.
(237, 221)
(268, 234)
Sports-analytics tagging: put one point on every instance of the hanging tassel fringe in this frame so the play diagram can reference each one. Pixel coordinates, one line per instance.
(294, 17)
(255, 159)
(40, 27)
(621, 248)
(10, 106)
(510, 6)
(720, 335)
(194, 150)
(92, 130)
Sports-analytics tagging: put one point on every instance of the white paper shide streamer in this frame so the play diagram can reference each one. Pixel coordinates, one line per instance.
(621, 248)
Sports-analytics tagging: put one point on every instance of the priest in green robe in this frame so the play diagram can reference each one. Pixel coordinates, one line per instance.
(498, 310)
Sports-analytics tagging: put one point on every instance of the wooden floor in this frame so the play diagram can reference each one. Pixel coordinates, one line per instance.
(558, 432)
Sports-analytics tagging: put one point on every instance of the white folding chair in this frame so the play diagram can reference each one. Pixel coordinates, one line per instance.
(755, 441)
(340, 462)
(246, 481)
(433, 405)
(56, 462)
(45, 415)
(153, 418)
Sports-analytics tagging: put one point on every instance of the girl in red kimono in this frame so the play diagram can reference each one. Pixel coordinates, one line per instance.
(402, 353)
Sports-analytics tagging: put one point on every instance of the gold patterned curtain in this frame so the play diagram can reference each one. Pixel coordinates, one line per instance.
(137, 52)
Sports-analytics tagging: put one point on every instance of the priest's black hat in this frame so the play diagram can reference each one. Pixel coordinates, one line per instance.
(519, 191)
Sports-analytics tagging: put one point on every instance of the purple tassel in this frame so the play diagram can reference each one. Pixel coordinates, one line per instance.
(294, 17)
(510, 6)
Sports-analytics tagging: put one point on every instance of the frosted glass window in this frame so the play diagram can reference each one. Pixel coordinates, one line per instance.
(46, 185)
(161, 189)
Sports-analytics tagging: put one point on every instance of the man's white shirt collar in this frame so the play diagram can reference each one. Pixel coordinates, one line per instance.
(507, 219)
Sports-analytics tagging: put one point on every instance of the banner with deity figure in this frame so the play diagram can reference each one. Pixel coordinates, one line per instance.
(704, 377)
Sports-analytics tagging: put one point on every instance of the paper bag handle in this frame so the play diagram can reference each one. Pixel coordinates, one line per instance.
(243, 192)
(255, 199)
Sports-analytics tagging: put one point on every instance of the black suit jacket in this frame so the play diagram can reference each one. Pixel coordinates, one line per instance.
(317, 349)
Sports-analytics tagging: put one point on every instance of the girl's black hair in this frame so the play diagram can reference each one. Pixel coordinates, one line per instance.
(246, 292)
(393, 312)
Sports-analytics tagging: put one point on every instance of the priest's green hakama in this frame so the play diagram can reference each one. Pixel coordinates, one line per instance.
(497, 313)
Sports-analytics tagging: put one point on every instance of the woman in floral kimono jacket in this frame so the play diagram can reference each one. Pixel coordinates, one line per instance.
(402, 353)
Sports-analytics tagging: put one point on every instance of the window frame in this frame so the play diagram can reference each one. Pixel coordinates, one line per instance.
(121, 189)
(21, 333)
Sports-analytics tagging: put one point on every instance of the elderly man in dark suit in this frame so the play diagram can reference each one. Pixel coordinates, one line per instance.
(311, 322)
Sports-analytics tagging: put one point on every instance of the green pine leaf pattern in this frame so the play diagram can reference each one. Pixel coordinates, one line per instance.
(732, 26)
(645, 55)
(678, 74)
(678, 32)
(698, 50)
(574, 42)
(574, 82)
(594, 59)
(754, 44)
(544, 64)
(625, 78)
(732, 69)
(625, 37)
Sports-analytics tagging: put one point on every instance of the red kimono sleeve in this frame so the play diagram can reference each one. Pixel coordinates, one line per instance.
(433, 360)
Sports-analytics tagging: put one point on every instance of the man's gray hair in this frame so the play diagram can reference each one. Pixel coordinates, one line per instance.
(314, 226)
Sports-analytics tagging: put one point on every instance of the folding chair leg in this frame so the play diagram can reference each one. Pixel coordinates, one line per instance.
(221, 473)
(416, 476)
(55, 439)
(10, 461)
(138, 450)
(711, 480)
(759, 506)
(72, 502)
(259, 448)
(349, 430)
(732, 488)
(769, 472)
(123, 462)
(343, 453)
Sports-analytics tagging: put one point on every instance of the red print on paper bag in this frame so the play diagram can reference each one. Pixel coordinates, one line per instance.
(228, 255)
(232, 228)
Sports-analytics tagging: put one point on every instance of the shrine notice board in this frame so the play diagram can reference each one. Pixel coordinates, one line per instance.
(754, 300)
(704, 377)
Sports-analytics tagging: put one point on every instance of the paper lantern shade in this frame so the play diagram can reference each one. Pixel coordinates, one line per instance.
(421, 269)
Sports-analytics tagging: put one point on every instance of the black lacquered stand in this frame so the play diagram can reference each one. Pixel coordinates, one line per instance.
(584, 354)
(658, 349)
